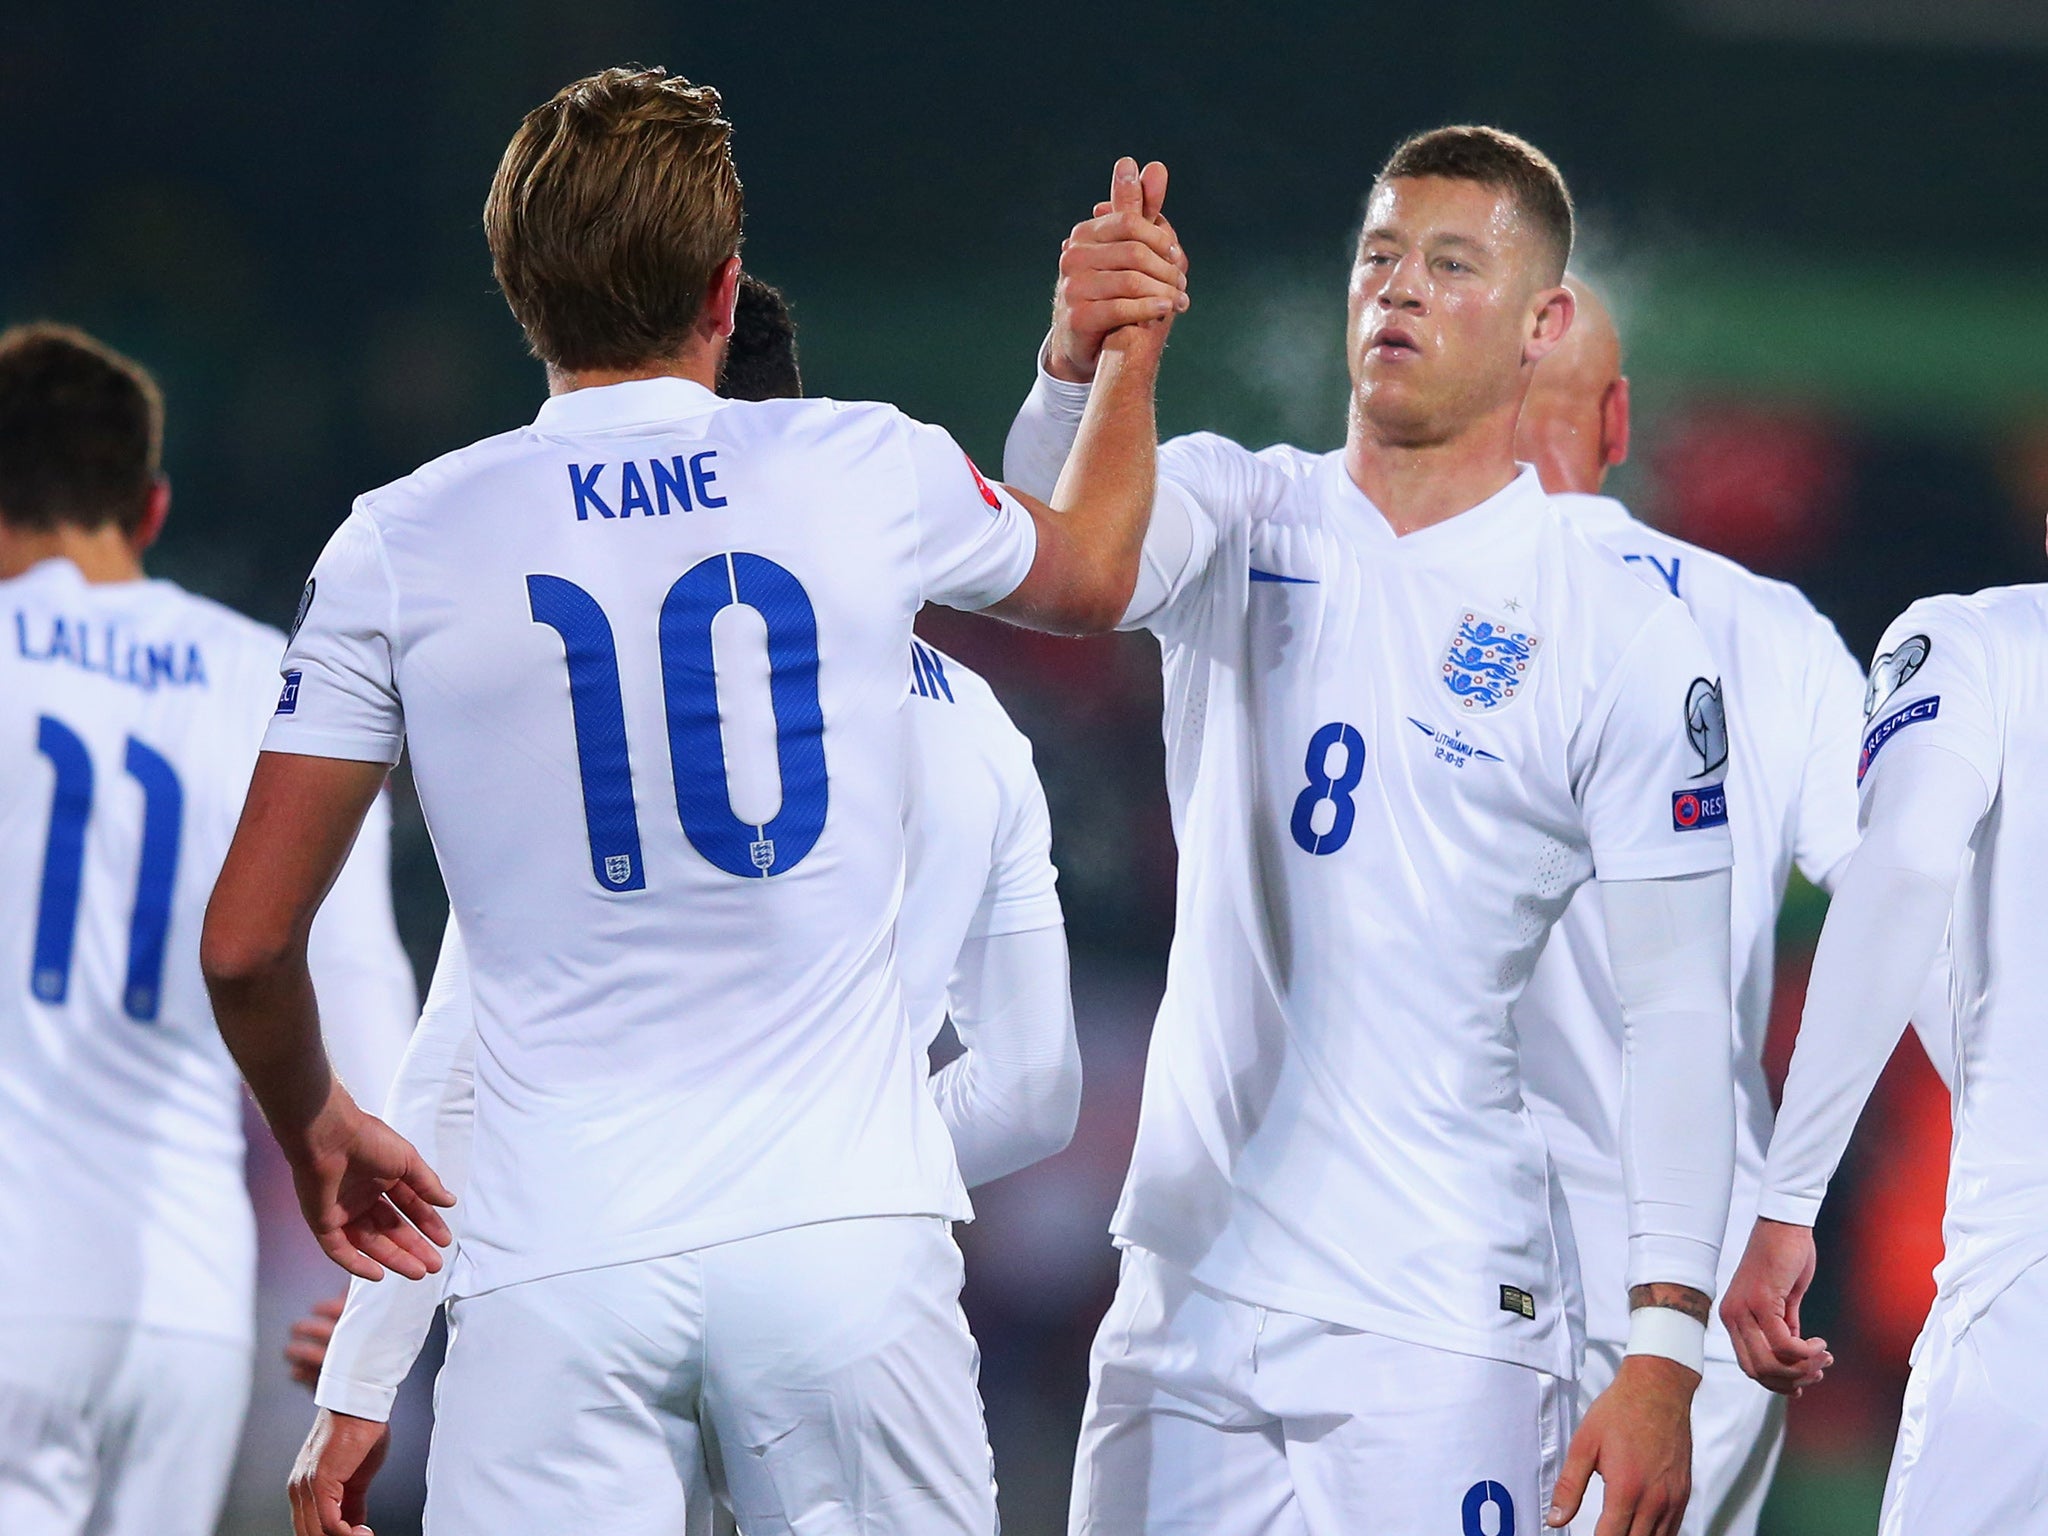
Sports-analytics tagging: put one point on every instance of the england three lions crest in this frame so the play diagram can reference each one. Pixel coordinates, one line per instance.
(1488, 662)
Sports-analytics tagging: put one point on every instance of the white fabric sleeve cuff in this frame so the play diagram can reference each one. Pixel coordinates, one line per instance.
(357, 1399)
(1793, 1210)
(1669, 1334)
(1043, 434)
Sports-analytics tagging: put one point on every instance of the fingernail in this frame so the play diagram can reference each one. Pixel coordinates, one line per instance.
(1173, 250)
(1553, 1516)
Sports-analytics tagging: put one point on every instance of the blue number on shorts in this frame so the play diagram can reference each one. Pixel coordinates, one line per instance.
(1477, 1498)
(690, 693)
(163, 811)
(63, 859)
(690, 687)
(1324, 786)
(599, 714)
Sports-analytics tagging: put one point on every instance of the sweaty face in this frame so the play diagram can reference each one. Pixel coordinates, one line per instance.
(1441, 302)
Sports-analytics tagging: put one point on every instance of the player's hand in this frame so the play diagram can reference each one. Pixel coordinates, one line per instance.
(1761, 1309)
(311, 1334)
(1122, 267)
(330, 1482)
(1638, 1437)
(368, 1195)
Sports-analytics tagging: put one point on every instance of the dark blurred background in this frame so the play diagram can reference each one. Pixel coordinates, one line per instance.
(1821, 225)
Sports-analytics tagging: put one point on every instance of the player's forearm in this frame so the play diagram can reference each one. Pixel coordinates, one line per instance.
(1091, 535)
(297, 826)
(1870, 970)
(270, 1024)
(1013, 1098)
(1669, 943)
(1042, 436)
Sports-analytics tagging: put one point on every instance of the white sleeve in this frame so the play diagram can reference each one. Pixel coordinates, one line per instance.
(432, 1104)
(1882, 931)
(361, 975)
(1655, 804)
(975, 541)
(1022, 889)
(1013, 1097)
(1929, 766)
(340, 696)
(1668, 945)
(1043, 434)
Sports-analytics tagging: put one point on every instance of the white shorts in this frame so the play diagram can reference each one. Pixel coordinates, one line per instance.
(1738, 1429)
(820, 1379)
(1209, 1416)
(113, 1430)
(1972, 1454)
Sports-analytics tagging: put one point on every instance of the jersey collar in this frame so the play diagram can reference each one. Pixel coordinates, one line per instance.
(625, 405)
(1506, 511)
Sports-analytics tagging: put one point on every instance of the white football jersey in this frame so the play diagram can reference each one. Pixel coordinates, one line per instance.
(1794, 709)
(979, 864)
(647, 657)
(1970, 674)
(130, 714)
(1391, 762)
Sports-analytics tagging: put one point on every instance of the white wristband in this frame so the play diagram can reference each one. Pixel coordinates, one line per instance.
(1669, 1333)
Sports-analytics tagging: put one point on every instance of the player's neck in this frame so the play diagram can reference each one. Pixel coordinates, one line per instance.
(696, 363)
(1418, 485)
(103, 554)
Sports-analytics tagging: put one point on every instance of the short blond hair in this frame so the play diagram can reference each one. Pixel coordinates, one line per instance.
(614, 207)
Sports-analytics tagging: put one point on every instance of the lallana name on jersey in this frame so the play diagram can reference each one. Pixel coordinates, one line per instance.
(111, 652)
(682, 483)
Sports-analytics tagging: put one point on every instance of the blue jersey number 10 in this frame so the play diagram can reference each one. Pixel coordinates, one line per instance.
(690, 694)
(163, 812)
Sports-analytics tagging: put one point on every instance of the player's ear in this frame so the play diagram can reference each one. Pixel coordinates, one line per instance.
(156, 511)
(1614, 423)
(1548, 322)
(720, 299)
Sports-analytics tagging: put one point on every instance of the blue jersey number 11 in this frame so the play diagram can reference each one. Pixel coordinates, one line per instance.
(163, 813)
(690, 693)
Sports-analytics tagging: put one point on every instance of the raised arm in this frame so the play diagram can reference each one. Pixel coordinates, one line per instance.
(1091, 520)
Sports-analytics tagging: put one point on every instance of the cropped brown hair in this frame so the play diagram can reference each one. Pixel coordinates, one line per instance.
(81, 431)
(612, 210)
(1502, 161)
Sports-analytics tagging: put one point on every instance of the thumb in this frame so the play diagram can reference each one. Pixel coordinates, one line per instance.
(1125, 194)
(427, 1182)
(1152, 188)
(1571, 1482)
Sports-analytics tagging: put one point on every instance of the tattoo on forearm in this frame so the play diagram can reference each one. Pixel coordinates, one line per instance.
(1680, 1298)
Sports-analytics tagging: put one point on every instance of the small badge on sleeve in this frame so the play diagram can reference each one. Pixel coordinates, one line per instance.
(1518, 1301)
(995, 502)
(1706, 724)
(305, 607)
(1893, 670)
(288, 701)
(1692, 809)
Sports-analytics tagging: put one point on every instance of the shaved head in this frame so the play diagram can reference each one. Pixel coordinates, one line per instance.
(1574, 424)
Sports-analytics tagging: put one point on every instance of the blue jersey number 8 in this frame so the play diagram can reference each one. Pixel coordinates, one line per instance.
(690, 694)
(1328, 788)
